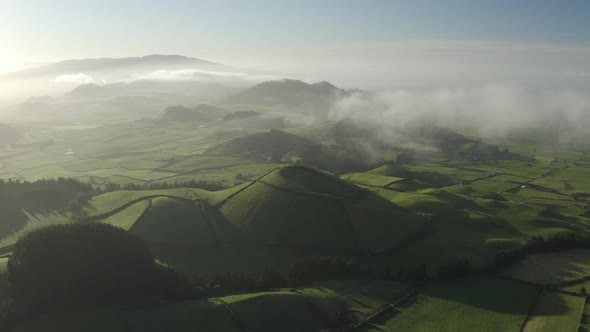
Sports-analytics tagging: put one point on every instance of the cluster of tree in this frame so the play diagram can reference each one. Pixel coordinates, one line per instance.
(580, 196)
(65, 266)
(454, 270)
(38, 196)
(317, 269)
(206, 185)
(43, 185)
(538, 244)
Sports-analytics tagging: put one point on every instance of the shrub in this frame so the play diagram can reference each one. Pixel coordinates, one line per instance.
(78, 264)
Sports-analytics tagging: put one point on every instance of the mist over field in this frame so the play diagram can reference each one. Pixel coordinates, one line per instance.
(493, 109)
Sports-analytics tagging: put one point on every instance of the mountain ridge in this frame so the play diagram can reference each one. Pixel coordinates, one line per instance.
(74, 66)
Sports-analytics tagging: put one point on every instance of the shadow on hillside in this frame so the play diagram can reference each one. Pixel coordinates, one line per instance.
(551, 268)
(491, 294)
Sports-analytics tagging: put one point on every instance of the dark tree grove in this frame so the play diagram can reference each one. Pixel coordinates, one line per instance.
(85, 264)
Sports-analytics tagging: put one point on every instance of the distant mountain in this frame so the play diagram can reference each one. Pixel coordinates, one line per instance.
(90, 91)
(271, 145)
(150, 88)
(102, 65)
(289, 93)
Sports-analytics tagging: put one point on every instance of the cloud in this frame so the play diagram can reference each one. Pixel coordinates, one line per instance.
(200, 76)
(76, 79)
(493, 109)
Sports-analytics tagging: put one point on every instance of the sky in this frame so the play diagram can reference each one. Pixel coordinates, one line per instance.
(49, 30)
(414, 40)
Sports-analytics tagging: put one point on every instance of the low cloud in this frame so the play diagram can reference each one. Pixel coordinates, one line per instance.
(493, 109)
(200, 76)
(76, 79)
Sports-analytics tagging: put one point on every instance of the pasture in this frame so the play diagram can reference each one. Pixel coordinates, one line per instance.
(556, 312)
(551, 268)
(473, 304)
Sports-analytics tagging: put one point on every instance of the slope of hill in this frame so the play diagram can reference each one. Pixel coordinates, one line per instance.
(301, 207)
(199, 113)
(288, 92)
(291, 212)
(271, 145)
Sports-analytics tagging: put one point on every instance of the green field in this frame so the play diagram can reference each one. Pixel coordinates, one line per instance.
(452, 195)
(556, 312)
(3, 262)
(475, 304)
(315, 308)
(585, 322)
(552, 268)
(371, 179)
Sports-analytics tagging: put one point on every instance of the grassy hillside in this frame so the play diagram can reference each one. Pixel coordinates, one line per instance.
(174, 221)
(556, 312)
(271, 145)
(478, 304)
(303, 207)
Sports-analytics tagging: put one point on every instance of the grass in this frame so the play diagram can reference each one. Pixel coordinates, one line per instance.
(276, 311)
(551, 268)
(370, 179)
(34, 221)
(105, 203)
(127, 218)
(205, 315)
(556, 312)
(585, 321)
(453, 238)
(125, 152)
(267, 214)
(381, 225)
(363, 296)
(3, 262)
(87, 319)
(172, 221)
(421, 203)
(473, 304)
(312, 214)
(308, 180)
(577, 287)
(567, 180)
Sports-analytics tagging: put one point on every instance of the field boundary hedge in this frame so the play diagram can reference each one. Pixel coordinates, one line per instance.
(529, 314)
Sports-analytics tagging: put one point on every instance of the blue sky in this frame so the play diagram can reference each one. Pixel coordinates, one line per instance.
(49, 30)
(354, 43)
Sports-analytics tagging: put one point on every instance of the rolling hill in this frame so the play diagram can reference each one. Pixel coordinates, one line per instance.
(199, 113)
(288, 92)
(290, 212)
(102, 65)
(302, 207)
(271, 145)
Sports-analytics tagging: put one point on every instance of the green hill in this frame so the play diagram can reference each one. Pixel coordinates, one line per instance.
(271, 145)
(289, 213)
(174, 221)
(199, 113)
(299, 206)
(288, 92)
